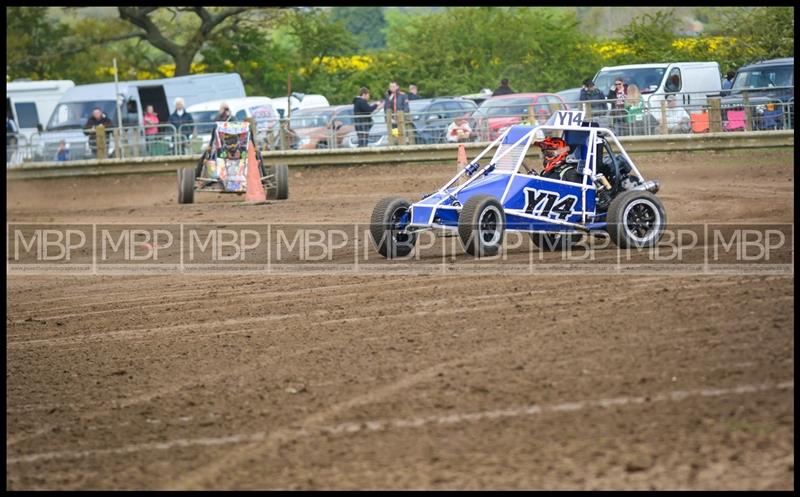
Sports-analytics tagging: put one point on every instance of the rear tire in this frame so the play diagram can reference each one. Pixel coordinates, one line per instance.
(282, 180)
(186, 185)
(636, 219)
(481, 225)
(387, 240)
(278, 187)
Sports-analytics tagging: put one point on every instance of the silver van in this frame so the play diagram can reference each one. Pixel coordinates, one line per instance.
(124, 104)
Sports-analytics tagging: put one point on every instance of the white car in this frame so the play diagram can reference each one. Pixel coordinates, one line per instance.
(298, 101)
(262, 109)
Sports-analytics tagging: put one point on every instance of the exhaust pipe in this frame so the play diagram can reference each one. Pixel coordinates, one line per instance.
(650, 186)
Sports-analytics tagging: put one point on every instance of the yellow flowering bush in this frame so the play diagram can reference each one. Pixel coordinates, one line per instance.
(347, 63)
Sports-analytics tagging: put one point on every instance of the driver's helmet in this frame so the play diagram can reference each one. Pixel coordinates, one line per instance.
(555, 150)
(550, 146)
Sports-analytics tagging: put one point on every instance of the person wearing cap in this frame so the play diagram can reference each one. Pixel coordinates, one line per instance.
(593, 94)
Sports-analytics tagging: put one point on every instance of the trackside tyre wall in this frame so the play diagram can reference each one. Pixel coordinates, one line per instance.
(388, 241)
(636, 219)
(186, 185)
(481, 225)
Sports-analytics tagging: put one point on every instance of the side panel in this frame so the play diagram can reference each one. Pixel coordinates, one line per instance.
(421, 215)
(553, 199)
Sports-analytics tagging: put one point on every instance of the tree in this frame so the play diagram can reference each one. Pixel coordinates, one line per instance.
(33, 44)
(761, 32)
(366, 23)
(461, 50)
(160, 32)
(649, 37)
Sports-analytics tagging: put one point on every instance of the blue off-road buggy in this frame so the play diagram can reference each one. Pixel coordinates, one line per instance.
(481, 202)
(223, 168)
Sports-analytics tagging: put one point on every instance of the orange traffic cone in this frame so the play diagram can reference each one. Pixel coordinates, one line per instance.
(255, 190)
(462, 155)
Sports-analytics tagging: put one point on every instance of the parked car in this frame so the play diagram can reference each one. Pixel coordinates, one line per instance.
(479, 97)
(298, 101)
(318, 127)
(259, 108)
(429, 119)
(769, 87)
(496, 114)
(571, 96)
(432, 120)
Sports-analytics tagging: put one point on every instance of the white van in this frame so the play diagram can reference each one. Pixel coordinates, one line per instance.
(130, 98)
(30, 103)
(299, 101)
(693, 82)
(259, 108)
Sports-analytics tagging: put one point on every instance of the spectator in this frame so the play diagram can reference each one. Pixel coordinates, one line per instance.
(459, 130)
(12, 134)
(678, 120)
(363, 115)
(396, 101)
(503, 89)
(634, 108)
(182, 121)
(412, 92)
(224, 113)
(62, 154)
(727, 83)
(617, 95)
(527, 118)
(593, 94)
(150, 119)
(97, 118)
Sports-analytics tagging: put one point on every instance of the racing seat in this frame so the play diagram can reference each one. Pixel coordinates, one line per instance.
(577, 141)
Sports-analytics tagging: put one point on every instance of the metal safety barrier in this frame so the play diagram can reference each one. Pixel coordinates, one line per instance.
(393, 155)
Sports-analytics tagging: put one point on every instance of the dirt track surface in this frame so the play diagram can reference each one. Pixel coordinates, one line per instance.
(401, 381)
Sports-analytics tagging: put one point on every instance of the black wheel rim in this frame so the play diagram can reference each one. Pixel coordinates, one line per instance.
(489, 226)
(641, 220)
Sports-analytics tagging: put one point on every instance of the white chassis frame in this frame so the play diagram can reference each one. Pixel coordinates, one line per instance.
(525, 141)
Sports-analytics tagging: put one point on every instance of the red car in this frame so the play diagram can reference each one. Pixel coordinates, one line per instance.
(498, 113)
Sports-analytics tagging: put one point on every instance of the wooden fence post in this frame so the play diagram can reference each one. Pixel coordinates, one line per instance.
(714, 115)
(401, 125)
(389, 136)
(117, 144)
(664, 128)
(748, 113)
(100, 138)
